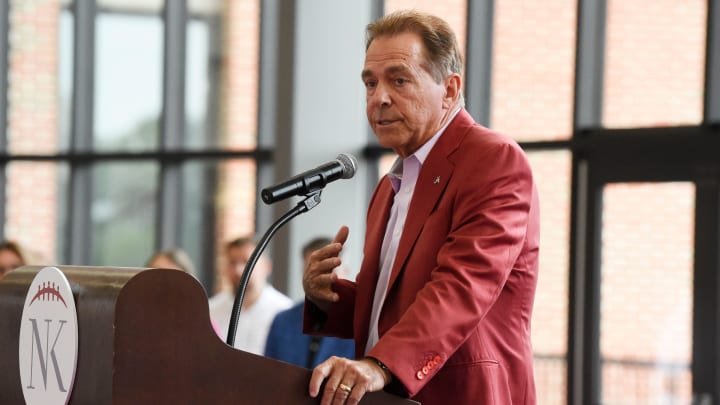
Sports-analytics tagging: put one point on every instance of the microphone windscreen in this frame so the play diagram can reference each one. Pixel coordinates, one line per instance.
(349, 164)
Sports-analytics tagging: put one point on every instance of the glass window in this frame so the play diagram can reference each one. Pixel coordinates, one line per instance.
(646, 293)
(533, 69)
(197, 85)
(219, 200)
(123, 213)
(549, 321)
(203, 70)
(128, 81)
(199, 198)
(654, 63)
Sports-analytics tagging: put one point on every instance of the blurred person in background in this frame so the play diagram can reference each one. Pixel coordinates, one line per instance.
(175, 258)
(286, 341)
(261, 301)
(11, 257)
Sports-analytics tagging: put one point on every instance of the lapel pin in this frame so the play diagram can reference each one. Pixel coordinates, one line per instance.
(437, 180)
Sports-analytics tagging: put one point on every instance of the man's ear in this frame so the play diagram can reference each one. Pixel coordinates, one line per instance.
(453, 87)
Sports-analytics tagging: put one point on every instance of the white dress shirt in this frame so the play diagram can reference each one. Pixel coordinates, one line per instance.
(254, 322)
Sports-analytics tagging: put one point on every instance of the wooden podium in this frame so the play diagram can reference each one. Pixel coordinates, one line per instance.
(145, 338)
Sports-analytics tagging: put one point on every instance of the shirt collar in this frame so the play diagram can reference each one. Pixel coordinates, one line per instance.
(395, 173)
(422, 152)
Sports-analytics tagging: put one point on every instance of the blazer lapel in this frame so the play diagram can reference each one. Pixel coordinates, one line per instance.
(429, 187)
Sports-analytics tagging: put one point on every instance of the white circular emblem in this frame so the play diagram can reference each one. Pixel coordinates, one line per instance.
(48, 340)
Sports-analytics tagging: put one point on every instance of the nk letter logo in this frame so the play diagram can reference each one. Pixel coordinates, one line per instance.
(48, 340)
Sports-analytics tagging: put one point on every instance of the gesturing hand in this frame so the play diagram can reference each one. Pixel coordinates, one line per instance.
(319, 277)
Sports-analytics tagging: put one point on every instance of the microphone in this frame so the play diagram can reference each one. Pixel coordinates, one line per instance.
(343, 167)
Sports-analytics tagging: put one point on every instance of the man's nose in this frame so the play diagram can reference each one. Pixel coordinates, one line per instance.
(381, 96)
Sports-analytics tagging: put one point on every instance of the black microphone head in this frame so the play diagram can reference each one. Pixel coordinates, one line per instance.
(349, 164)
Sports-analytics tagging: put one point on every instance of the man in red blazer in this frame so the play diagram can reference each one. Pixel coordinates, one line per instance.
(440, 310)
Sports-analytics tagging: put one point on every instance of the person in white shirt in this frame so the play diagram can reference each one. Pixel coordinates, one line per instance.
(260, 304)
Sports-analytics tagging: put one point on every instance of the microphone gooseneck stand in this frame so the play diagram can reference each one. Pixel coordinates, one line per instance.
(310, 202)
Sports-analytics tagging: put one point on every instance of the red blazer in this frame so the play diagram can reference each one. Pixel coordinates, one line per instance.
(455, 325)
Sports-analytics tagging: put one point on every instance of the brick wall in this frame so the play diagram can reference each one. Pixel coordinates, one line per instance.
(239, 91)
(533, 69)
(32, 215)
(655, 63)
(646, 290)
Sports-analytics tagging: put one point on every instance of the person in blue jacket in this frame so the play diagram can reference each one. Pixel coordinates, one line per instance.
(287, 343)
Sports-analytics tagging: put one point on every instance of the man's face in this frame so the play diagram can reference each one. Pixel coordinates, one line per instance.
(405, 106)
(237, 258)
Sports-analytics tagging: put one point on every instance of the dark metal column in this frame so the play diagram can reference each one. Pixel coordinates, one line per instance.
(583, 367)
(712, 64)
(79, 242)
(706, 284)
(589, 63)
(169, 216)
(478, 63)
(275, 117)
